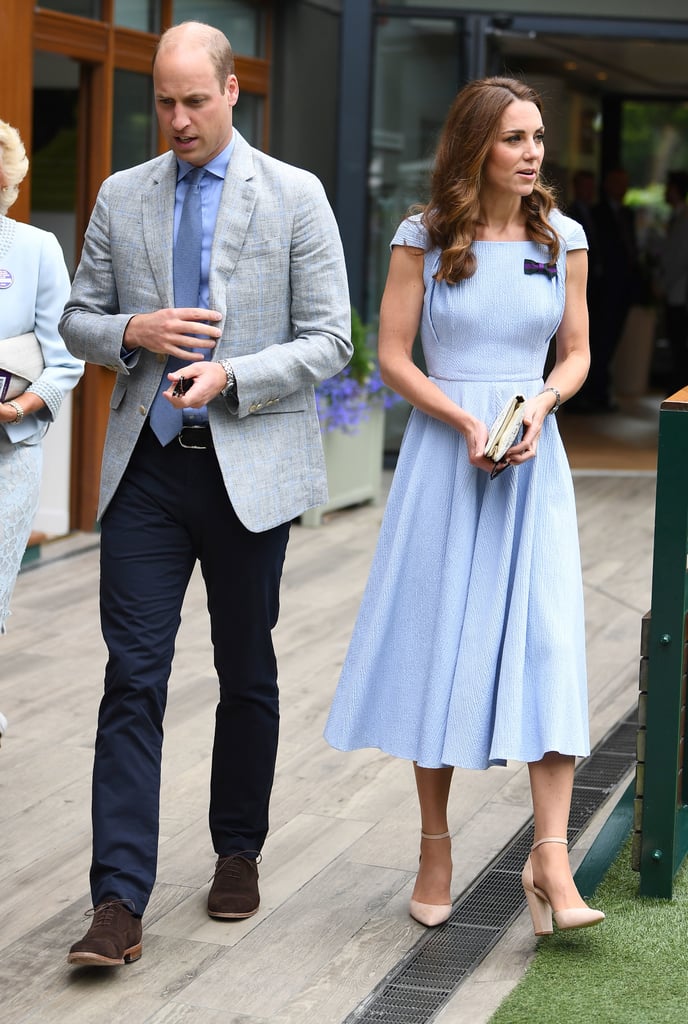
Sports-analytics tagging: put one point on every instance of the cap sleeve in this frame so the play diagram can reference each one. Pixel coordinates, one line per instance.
(411, 232)
(569, 230)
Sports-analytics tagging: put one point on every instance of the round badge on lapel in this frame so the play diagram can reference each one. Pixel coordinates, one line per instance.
(6, 278)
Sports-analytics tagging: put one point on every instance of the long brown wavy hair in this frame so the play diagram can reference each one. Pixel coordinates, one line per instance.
(451, 215)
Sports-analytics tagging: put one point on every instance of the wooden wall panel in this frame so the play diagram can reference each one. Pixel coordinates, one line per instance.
(134, 50)
(16, 82)
(79, 38)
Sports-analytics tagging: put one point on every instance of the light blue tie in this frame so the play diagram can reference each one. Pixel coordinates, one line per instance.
(165, 420)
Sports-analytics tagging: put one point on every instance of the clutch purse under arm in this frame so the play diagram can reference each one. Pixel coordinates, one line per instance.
(21, 363)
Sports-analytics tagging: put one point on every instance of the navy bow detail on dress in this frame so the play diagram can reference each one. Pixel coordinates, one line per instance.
(533, 267)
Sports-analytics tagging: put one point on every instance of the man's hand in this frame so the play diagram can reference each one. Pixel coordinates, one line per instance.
(206, 379)
(174, 332)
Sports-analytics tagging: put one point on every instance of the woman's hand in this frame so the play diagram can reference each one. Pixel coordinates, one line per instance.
(29, 401)
(8, 414)
(476, 434)
(536, 409)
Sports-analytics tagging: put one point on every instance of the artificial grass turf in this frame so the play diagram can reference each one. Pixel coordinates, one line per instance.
(630, 969)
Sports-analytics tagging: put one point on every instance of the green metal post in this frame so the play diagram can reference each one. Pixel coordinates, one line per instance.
(665, 815)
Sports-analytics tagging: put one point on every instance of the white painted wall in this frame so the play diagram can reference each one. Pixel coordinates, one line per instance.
(52, 517)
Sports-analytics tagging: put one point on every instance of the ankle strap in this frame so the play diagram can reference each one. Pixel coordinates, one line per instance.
(440, 835)
(550, 839)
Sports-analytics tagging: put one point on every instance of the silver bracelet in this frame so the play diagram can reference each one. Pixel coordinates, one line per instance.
(556, 395)
(18, 409)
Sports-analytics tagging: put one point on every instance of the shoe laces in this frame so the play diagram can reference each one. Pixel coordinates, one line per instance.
(230, 866)
(104, 913)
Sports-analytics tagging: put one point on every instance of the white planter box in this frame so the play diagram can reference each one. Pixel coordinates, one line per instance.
(354, 466)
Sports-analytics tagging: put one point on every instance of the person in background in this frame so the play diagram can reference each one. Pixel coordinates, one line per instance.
(581, 206)
(469, 647)
(674, 275)
(213, 281)
(618, 283)
(34, 286)
(581, 209)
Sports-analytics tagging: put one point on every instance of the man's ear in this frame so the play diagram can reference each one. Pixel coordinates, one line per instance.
(232, 89)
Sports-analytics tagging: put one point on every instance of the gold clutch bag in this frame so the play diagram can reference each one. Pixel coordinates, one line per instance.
(505, 428)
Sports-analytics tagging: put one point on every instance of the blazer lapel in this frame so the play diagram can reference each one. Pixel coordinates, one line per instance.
(233, 218)
(157, 215)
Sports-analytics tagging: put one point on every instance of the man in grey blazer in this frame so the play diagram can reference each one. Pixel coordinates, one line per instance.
(268, 319)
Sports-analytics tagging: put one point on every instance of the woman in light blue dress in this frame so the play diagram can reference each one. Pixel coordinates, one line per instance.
(34, 286)
(469, 648)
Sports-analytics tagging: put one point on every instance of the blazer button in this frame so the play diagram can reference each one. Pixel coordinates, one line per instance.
(161, 357)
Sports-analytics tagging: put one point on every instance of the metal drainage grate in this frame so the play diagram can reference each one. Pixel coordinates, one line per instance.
(424, 980)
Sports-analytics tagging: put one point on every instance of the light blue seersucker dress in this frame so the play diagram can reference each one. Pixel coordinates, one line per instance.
(469, 647)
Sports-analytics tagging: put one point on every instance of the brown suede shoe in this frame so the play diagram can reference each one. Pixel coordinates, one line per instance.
(114, 937)
(234, 892)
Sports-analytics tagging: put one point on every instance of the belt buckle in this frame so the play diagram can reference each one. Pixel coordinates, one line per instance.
(192, 447)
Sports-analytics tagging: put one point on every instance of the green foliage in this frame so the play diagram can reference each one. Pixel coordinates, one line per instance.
(344, 400)
(654, 140)
(649, 198)
(364, 359)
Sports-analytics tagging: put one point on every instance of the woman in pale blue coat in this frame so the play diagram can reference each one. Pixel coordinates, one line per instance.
(34, 286)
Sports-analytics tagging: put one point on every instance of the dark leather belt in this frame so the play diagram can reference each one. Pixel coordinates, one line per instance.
(198, 438)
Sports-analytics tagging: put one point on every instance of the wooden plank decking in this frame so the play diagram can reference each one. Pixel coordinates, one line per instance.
(339, 863)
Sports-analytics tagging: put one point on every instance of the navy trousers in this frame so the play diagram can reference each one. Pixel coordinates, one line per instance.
(170, 510)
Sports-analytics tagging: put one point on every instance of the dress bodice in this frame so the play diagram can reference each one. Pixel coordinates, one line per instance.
(497, 324)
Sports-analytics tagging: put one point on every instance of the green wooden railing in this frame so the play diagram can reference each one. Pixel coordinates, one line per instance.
(661, 811)
(655, 806)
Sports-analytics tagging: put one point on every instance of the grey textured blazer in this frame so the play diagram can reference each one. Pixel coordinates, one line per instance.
(278, 278)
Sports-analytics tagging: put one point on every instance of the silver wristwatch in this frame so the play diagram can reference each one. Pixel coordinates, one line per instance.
(230, 386)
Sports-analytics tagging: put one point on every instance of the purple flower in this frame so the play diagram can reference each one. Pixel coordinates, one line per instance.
(343, 402)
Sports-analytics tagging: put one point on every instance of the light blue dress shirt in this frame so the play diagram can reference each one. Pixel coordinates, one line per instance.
(212, 184)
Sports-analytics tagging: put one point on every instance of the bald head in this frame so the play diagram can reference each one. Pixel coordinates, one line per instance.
(195, 91)
(191, 35)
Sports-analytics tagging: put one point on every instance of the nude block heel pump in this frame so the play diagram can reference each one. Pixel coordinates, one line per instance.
(430, 914)
(540, 907)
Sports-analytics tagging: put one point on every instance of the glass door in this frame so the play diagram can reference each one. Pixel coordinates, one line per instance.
(54, 175)
(417, 67)
(417, 71)
(653, 143)
(54, 161)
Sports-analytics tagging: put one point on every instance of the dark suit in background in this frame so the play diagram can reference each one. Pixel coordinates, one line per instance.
(616, 282)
